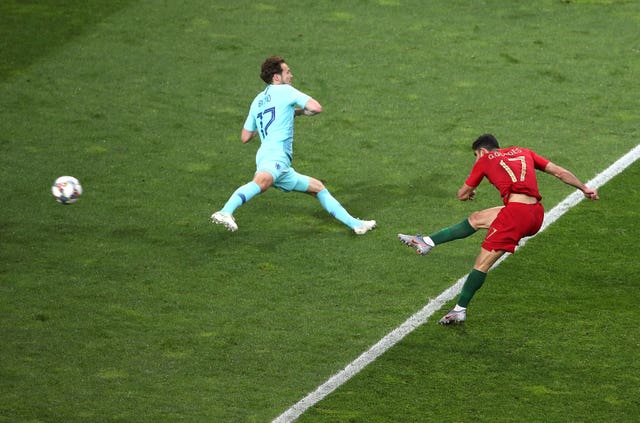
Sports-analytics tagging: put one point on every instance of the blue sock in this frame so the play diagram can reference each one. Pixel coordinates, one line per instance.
(241, 196)
(335, 209)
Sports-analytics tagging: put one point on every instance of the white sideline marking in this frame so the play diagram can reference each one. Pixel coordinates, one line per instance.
(434, 305)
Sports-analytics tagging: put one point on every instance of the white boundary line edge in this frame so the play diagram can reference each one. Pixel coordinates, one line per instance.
(434, 305)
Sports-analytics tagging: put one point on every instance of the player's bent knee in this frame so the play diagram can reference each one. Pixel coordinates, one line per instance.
(315, 186)
(264, 180)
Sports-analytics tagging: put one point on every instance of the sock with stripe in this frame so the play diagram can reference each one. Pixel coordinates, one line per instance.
(241, 196)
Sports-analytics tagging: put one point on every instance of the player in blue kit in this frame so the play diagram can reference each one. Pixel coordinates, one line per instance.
(271, 116)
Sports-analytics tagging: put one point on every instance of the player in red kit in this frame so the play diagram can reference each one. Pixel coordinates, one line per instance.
(513, 172)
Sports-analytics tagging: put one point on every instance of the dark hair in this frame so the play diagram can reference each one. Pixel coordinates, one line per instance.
(487, 141)
(271, 66)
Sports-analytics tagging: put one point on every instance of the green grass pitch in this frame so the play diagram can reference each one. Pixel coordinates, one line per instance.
(129, 306)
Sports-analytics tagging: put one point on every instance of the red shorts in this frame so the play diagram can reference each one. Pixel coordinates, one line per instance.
(514, 222)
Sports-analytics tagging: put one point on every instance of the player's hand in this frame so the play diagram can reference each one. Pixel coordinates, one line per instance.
(591, 194)
(304, 112)
(472, 195)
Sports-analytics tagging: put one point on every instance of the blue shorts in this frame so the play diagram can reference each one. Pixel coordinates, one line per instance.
(285, 178)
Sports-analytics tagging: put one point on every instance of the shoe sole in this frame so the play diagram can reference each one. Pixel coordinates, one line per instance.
(361, 230)
(451, 322)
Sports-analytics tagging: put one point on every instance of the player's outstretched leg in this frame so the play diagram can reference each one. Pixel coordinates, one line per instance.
(336, 210)
(225, 215)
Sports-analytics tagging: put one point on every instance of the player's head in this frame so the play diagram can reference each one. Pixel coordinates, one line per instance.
(486, 141)
(275, 70)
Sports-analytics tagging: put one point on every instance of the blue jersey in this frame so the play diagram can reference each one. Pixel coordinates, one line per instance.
(271, 114)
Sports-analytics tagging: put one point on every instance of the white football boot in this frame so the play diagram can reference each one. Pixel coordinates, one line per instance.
(226, 219)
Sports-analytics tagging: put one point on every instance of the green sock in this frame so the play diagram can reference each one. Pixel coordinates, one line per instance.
(471, 285)
(457, 231)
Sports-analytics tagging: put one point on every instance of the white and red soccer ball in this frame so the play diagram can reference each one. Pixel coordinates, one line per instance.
(66, 189)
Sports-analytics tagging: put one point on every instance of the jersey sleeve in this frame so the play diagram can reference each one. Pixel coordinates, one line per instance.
(539, 161)
(250, 123)
(299, 98)
(477, 173)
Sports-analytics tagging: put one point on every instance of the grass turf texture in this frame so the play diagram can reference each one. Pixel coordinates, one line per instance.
(130, 306)
(549, 336)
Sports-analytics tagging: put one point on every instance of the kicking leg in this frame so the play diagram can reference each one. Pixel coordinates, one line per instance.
(477, 220)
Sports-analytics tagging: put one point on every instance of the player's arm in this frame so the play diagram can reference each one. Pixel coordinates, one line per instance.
(312, 107)
(247, 136)
(466, 192)
(570, 179)
(249, 129)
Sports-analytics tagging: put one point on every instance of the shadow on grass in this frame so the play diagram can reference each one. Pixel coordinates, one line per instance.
(30, 30)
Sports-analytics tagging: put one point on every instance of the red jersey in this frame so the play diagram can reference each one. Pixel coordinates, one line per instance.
(510, 170)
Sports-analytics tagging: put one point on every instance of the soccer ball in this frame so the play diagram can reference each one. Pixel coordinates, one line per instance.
(66, 189)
